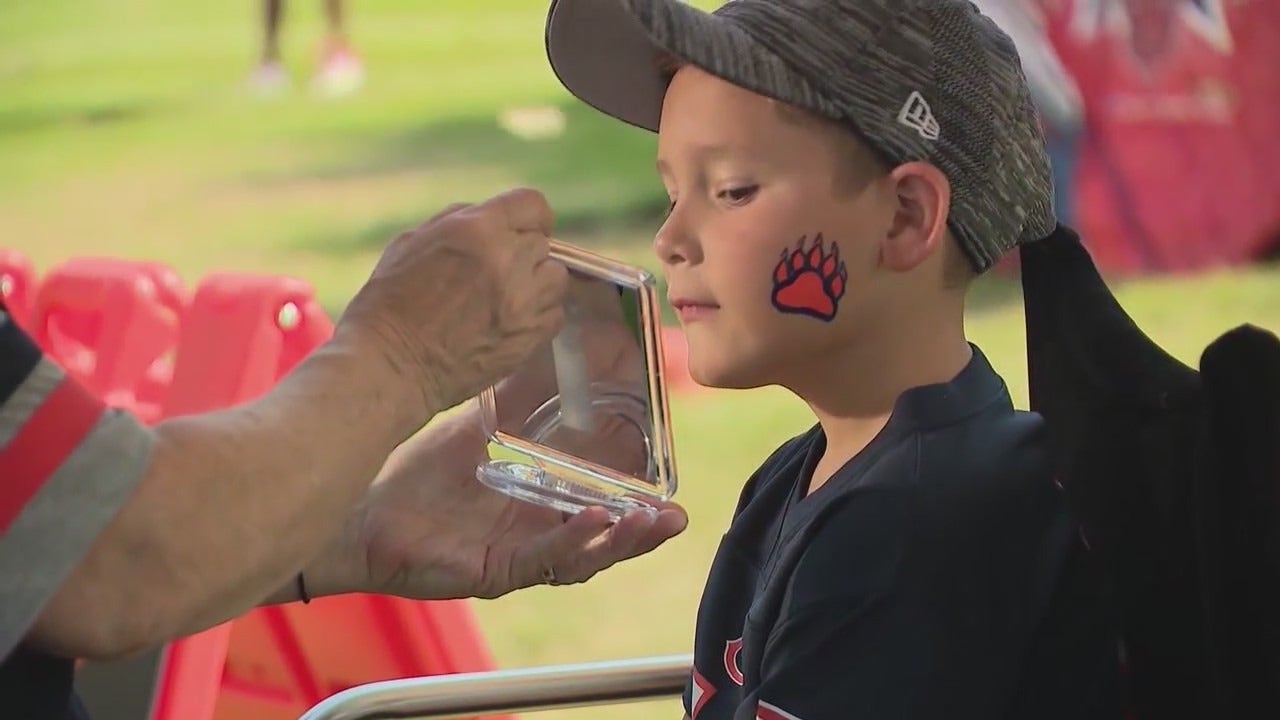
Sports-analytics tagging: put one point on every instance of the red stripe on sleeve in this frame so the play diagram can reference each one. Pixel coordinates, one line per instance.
(41, 445)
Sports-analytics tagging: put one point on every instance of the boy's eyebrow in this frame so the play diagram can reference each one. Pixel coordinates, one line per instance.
(702, 153)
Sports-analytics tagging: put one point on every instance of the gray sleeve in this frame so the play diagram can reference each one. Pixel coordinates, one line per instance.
(67, 466)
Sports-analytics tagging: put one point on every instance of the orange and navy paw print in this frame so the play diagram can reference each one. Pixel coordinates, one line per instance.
(810, 282)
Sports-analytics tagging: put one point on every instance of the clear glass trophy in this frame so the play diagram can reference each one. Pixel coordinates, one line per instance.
(585, 422)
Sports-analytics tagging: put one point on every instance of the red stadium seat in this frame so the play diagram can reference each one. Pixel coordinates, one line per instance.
(113, 324)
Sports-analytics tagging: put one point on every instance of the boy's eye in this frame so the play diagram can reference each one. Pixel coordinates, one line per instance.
(739, 195)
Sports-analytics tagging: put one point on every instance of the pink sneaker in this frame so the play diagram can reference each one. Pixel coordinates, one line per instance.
(341, 73)
(269, 78)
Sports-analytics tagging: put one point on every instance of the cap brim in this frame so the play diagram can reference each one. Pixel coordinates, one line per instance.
(607, 52)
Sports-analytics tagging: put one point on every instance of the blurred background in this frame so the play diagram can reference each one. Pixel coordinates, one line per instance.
(172, 130)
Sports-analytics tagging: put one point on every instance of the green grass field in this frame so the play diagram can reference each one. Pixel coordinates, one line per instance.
(125, 130)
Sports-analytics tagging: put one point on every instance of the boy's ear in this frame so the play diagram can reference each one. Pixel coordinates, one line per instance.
(919, 227)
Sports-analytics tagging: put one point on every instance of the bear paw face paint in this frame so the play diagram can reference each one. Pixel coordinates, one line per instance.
(810, 282)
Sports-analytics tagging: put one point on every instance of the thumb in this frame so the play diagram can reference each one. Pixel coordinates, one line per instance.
(447, 211)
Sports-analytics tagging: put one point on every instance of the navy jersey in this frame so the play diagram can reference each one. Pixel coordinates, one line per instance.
(936, 575)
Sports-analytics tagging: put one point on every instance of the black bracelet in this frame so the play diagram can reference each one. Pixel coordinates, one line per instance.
(302, 590)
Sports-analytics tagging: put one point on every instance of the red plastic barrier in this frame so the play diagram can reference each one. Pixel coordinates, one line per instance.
(190, 672)
(241, 333)
(282, 660)
(675, 360)
(17, 284)
(113, 324)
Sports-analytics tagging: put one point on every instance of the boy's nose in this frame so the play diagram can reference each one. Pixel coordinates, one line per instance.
(675, 243)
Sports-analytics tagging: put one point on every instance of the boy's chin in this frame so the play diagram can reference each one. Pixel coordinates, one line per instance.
(725, 376)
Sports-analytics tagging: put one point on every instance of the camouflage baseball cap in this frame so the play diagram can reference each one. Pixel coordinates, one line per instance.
(930, 80)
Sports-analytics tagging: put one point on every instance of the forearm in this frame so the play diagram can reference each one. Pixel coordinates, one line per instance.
(335, 570)
(233, 503)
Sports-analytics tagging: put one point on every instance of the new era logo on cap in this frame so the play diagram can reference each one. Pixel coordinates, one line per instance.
(917, 115)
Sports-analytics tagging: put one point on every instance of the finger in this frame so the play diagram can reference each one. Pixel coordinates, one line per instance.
(545, 296)
(636, 533)
(451, 209)
(532, 250)
(558, 550)
(662, 505)
(523, 209)
(644, 532)
(550, 323)
(551, 284)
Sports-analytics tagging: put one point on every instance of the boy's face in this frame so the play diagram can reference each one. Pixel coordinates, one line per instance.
(771, 250)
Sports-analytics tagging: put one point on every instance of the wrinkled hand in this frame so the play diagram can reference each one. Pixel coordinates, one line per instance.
(461, 300)
(429, 530)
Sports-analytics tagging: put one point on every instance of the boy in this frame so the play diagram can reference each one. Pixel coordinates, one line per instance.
(839, 171)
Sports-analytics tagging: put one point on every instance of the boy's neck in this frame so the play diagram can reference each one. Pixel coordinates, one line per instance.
(853, 392)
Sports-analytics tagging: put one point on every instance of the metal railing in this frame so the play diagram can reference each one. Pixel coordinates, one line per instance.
(467, 695)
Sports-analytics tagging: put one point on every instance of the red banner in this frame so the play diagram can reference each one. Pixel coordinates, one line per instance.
(1179, 166)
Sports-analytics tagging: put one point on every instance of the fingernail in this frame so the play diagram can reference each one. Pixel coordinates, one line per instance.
(684, 522)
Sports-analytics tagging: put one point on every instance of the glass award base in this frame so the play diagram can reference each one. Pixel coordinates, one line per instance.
(555, 479)
(542, 486)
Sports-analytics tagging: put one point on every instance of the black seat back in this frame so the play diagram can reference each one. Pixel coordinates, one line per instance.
(1174, 474)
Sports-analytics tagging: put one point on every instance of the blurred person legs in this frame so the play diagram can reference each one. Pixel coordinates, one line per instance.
(340, 71)
(270, 76)
(1063, 144)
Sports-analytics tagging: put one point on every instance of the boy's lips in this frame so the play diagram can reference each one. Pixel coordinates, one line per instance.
(690, 310)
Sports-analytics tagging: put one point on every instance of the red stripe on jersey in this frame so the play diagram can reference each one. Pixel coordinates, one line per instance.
(765, 711)
(42, 444)
(703, 689)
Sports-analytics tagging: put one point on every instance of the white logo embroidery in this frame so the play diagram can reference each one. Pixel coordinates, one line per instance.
(917, 115)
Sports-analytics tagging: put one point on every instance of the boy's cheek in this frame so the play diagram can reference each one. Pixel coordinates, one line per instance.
(808, 279)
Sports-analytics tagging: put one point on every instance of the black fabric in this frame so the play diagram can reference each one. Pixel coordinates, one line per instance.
(18, 356)
(1238, 485)
(121, 689)
(35, 686)
(936, 575)
(1175, 475)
